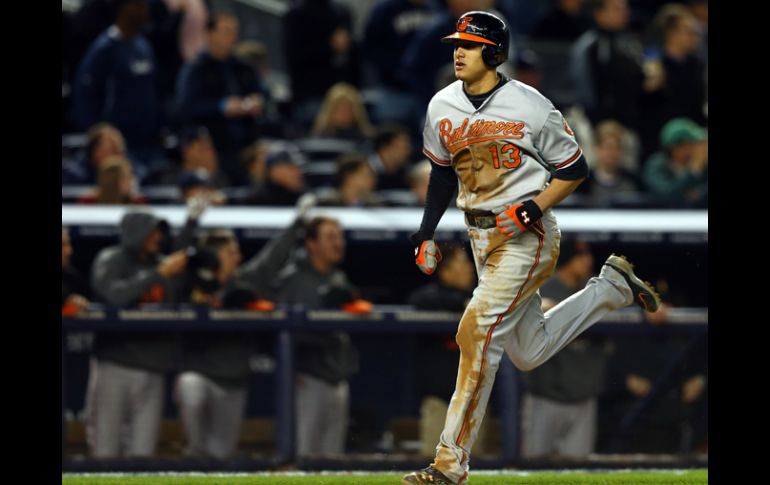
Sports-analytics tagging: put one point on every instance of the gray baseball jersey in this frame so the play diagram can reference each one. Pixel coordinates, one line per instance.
(503, 151)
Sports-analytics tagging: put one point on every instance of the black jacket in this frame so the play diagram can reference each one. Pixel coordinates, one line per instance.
(313, 65)
(329, 356)
(607, 71)
(202, 87)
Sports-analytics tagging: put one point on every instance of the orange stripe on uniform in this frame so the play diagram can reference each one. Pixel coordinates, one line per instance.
(500, 317)
(570, 159)
(435, 158)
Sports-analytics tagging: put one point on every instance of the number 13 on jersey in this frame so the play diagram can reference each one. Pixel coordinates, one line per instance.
(511, 155)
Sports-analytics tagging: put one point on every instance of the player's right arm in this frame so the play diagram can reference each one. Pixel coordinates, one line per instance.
(441, 187)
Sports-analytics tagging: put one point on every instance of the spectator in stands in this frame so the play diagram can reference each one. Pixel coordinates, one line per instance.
(700, 9)
(609, 181)
(212, 387)
(126, 379)
(320, 51)
(103, 141)
(608, 76)
(255, 54)
(678, 174)
(324, 360)
(451, 292)
(426, 56)
(559, 406)
(177, 32)
(197, 154)
(284, 180)
(198, 183)
(683, 93)
(117, 83)
(685, 72)
(392, 150)
(527, 68)
(390, 29)
(74, 289)
(223, 93)
(355, 184)
(342, 115)
(565, 23)
(115, 184)
(254, 159)
(419, 176)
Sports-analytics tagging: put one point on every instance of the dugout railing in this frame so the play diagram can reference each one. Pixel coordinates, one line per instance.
(283, 322)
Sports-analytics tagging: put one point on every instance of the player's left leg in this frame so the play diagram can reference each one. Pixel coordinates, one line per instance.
(146, 403)
(190, 393)
(541, 424)
(336, 417)
(539, 337)
(580, 438)
(227, 407)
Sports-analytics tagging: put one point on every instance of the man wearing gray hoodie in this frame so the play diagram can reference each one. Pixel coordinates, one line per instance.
(127, 370)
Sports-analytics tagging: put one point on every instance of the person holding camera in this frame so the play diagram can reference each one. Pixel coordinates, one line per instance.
(125, 382)
(212, 387)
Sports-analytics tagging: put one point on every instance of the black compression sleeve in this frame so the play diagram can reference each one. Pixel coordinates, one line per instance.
(441, 188)
(577, 170)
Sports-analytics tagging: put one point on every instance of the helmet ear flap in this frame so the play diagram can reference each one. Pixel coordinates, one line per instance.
(491, 55)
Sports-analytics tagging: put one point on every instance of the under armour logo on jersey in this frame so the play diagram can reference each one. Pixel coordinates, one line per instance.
(525, 217)
(462, 24)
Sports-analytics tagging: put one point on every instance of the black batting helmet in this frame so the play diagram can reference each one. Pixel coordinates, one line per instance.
(486, 29)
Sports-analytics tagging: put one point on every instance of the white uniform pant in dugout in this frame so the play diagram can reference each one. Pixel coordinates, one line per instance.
(505, 315)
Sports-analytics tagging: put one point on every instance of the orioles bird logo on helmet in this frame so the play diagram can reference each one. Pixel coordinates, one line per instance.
(462, 24)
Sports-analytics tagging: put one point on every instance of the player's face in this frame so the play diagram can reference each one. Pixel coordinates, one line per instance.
(153, 241)
(229, 259)
(330, 244)
(468, 64)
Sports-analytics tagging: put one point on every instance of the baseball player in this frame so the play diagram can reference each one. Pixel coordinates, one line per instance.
(512, 157)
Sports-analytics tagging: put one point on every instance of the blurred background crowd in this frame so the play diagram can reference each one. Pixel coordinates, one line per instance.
(167, 98)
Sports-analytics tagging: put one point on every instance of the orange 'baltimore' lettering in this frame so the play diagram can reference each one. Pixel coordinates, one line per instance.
(479, 129)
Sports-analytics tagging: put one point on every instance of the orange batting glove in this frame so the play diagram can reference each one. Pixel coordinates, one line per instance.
(426, 252)
(516, 219)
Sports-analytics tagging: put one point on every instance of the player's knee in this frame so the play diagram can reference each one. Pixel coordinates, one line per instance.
(468, 335)
(524, 363)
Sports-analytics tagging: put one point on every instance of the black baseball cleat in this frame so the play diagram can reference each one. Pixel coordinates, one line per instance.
(426, 475)
(644, 293)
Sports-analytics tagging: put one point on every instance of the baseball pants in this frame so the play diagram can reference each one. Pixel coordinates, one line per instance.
(555, 428)
(119, 396)
(322, 416)
(212, 415)
(505, 315)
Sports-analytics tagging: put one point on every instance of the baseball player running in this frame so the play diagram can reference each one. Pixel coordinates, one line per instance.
(515, 157)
